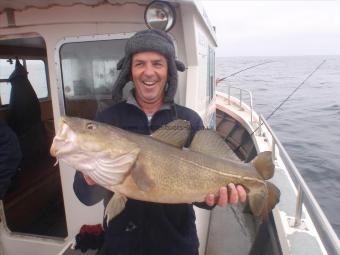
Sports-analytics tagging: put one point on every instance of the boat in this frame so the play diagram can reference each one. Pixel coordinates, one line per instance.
(70, 49)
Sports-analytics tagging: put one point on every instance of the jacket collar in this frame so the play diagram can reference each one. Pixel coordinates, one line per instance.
(132, 100)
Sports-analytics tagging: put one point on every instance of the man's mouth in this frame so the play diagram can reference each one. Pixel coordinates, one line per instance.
(150, 83)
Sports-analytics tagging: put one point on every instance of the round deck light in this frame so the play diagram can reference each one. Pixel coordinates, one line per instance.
(160, 15)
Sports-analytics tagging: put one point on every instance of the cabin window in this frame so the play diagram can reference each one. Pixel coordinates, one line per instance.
(88, 73)
(36, 74)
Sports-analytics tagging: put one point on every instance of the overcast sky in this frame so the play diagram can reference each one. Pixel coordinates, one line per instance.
(275, 28)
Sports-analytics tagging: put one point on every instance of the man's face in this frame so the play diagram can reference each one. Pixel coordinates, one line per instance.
(149, 74)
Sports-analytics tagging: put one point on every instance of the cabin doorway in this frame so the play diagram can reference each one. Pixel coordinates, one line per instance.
(32, 202)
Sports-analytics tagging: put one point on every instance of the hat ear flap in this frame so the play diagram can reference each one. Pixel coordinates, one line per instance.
(123, 78)
(120, 63)
(180, 66)
(172, 83)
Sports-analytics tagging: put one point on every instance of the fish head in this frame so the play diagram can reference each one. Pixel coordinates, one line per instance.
(94, 148)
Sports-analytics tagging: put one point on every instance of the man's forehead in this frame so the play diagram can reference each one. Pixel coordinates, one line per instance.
(148, 55)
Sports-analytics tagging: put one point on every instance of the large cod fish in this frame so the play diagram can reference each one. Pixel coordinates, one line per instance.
(155, 168)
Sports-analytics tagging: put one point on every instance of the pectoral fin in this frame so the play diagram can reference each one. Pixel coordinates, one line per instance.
(175, 133)
(141, 178)
(211, 143)
(114, 207)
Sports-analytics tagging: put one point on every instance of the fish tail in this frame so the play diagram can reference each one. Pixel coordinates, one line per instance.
(264, 164)
(261, 202)
(273, 198)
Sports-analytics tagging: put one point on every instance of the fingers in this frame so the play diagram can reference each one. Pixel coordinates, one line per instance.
(241, 193)
(223, 198)
(237, 193)
(231, 195)
(233, 198)
(89, 180)
(210, 200)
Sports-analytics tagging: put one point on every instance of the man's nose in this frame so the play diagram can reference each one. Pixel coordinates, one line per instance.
(149, 70)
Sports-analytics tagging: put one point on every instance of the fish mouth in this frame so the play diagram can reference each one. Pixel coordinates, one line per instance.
(62, 140)
(53, 150)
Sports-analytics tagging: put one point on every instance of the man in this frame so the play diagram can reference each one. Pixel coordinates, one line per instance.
(144, 227)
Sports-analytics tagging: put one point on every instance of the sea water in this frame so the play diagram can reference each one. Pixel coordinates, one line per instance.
(308, 123)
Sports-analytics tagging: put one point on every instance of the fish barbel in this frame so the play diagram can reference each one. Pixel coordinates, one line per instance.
(156, 169)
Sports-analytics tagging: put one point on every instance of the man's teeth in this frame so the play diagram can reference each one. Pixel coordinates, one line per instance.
(149, 82)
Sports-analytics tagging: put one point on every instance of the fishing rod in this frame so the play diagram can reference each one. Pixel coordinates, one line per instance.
(250, 67)
(286, 99)
(290, 95)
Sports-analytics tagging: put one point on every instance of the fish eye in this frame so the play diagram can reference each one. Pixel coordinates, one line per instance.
(91, 126)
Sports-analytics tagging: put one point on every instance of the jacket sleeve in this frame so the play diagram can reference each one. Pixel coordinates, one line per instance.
(88, 195)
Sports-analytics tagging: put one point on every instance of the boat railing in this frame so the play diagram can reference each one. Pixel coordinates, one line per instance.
(241, 101)
(304, 197)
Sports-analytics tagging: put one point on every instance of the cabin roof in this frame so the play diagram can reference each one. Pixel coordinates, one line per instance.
(9, 6)
(19, 5)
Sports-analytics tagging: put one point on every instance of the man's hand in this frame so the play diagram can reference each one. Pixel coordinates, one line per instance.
(236, 194)
(89, 180)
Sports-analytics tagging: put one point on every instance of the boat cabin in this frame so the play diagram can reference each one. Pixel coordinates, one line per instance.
(57, 58)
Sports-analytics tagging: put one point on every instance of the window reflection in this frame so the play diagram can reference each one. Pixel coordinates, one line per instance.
(88, 74)
(36, 75)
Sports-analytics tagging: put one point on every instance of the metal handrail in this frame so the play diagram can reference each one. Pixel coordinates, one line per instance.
(240, 99)
(305, 196)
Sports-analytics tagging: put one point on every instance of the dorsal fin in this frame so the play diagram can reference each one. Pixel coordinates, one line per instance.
(175, 133)
(264, 164)
(211, 143)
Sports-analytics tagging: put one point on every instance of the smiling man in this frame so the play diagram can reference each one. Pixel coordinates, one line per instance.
(144, 227)
(149, 73)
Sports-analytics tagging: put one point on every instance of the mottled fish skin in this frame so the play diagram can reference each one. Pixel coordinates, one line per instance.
(183, 176)
(159, 172)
